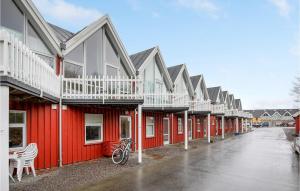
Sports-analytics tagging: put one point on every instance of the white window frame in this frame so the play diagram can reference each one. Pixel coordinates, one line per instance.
(198, 125)
(93, 124)
(181, 131)
(128, 117)
(153, 126)
(24, 129)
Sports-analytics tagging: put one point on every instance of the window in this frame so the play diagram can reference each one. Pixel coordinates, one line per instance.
(198, 123)
(72, 70)
(180, 126)
(93, 128)
(94, 55)
(17, 129)
(150, 127)
(112, 71)
(12, 18)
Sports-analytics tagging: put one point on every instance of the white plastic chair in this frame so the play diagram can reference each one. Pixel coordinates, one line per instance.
(25, 160)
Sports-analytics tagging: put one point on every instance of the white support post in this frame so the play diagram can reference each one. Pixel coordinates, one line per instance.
(140, 133)
(4, 127)
(185, 130)
(246, 126)
(242, 125)
(208, 128)
(223, 131)
(237, 125)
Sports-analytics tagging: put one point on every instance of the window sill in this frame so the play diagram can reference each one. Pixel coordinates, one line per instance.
(93, 142)
(198, 131)
(150, 136)
(180, 133)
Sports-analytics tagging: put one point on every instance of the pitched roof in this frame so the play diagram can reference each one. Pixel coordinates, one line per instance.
(238, 103)
(139, 58)
(195, 80)
(213, 93)
(139, 61)
(174, 71)
(62, 34)
(259, 112)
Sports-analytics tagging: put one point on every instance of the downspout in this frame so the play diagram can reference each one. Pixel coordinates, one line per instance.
(62, 47)
(135, 130)
(60, 115)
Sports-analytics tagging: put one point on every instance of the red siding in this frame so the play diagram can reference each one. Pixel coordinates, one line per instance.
(212, 126)
(200, 134)
(157, 140)
(74, 147)
(42, 128)
(177, 137)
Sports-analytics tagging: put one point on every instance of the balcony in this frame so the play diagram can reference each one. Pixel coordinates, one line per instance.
(232, 113)
(22, 69)
(218, 109)
(166, 101)
(200, 106)
(97, 89)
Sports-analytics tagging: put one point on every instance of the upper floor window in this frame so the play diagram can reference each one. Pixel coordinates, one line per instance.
(12, 18)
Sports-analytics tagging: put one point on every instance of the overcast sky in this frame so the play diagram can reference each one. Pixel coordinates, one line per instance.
(249, 47)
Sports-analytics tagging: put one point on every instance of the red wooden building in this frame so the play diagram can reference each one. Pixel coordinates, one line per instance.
(161, 102)
(297, 123)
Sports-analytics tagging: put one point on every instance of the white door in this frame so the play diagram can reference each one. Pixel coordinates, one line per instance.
(125, 127)
(190, 129)
(166, 131)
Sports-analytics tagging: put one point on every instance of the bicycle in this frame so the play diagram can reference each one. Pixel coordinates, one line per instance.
(122, 151)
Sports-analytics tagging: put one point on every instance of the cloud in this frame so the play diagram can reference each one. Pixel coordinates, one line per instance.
(283, 6)
(207, 6)
(274, 103)
(67, 13)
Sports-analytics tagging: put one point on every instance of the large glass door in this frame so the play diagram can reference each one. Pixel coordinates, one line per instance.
(166, 131)
(125, 127)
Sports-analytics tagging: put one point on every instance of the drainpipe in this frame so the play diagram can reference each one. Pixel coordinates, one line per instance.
(208, 128)
(185, 130)
(135, 129)
(139, 133)
(60, 114)
(172, 118)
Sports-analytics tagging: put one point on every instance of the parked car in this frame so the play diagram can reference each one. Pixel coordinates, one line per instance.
(296, 145)
(265, 124)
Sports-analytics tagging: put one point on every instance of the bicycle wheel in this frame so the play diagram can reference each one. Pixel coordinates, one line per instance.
(117, 156)
(125, 158)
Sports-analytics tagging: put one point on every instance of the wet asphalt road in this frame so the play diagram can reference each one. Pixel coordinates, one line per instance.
(257, 161)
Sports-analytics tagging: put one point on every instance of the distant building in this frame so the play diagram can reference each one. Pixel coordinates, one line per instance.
(273, 117)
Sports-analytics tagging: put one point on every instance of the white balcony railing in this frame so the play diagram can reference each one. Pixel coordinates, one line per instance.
(200, 106)
(218, 108)
(232, 113)
(165, 100)
(105, 88)
(20, 63)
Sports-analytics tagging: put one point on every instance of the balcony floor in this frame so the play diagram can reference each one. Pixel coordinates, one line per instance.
(21, 89)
